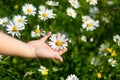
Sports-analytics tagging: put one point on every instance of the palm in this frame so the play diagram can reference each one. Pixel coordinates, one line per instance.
(44, 51)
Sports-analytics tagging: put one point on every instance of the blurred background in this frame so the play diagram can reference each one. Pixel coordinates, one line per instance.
(89, 52)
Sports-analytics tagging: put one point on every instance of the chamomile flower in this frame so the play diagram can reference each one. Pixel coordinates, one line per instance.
(43, 70)
(19, 20)
(84, 38)
(72, 77)
(95, 61)
(4, 21)
(71, 12)
(45, 14)
(38, 32)
(103, 49)
(74, 3)
(116, 39)
(112, 62)
(29, 9)
(14, 29)
(58, 41)
(93, 11)
(92, 2)
(52, 3)
(89, 23)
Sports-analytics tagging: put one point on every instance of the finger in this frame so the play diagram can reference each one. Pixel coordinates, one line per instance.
(62, 51)
(59, 58)
(46, 36)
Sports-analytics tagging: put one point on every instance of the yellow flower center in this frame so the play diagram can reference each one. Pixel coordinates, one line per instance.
(37, 31)
(14, 29)
(70, 13)
(58, 43)
(112, 62)
(4, 22)
(20, 20)
(45, 72)
(44, 15)
(74, 3)
(51, 4)
(29, 10)
(89, 25)
(90, 0)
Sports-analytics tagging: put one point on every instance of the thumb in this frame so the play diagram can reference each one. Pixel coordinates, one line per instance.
(46, 36)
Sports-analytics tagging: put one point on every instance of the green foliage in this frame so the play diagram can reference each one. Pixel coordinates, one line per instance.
(77, 60)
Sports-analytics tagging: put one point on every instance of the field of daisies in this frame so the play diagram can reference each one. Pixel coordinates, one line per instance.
(90, 27)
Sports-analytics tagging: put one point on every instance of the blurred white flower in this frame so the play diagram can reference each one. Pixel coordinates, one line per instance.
(95, 61)
(38, 32)
(84, 38)
(43, 70)
(116, 39)
(93, 11)
(91, 39)
(92, 2)
(112, 62)
(4, 21)
(58, 41)
(29, 9)
(86, 18)
(52, 3)
(71, 12)
(72, 77)
(89, 23)
(110, 3)
(105, 19)
(1, 56)
(103, 49)
(14, 29)
(45, 14)
(74, 3)
(19, 20)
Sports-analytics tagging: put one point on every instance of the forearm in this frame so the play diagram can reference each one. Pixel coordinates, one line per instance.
(14, 47)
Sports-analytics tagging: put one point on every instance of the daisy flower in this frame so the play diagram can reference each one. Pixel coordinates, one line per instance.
(84, 38)
(72, 77)
(29, 9)
(74, 3)
(92, 2)
(14, 29)
(103, 49)
(43, 70)
(71, 12)
(4, 21)
(45, 14)
(37, 32)
(112, 62)
(58, 41)
(95, 61)
(19, 20)
(52, 3)
(93, 11)
(116, 39)
(89, 23)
